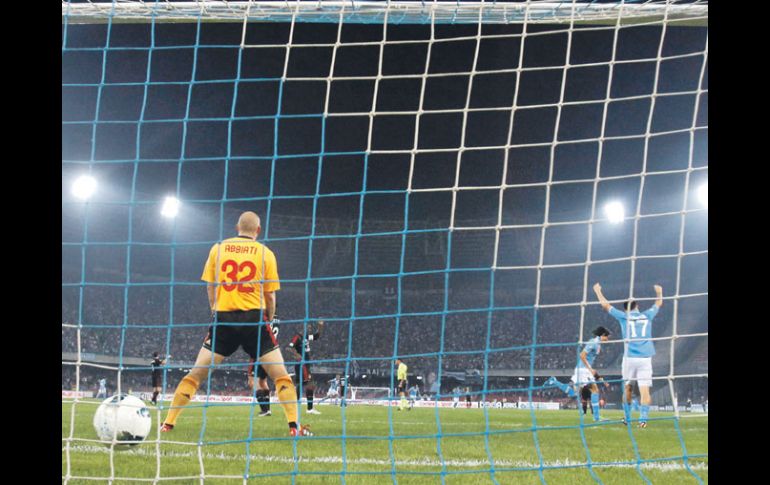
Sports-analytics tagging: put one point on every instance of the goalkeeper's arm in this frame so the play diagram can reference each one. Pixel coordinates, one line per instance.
(270, 305)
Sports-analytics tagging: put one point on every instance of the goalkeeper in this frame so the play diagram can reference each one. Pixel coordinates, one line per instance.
(585, 374)
(242, 277)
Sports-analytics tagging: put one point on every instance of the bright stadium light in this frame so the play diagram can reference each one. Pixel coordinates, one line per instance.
(614, 212)
(703, 194)
(170, 207)
(84, 187)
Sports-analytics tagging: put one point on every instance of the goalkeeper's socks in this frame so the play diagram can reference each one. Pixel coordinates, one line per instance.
(626, 412)
(644, 411)
(263, 398)
(403, 403)
(287, 395)
(595, 405)
(184, 392)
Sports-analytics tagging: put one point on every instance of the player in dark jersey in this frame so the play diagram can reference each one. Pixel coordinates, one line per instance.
(343, 385)
(263, 390)
(157, 376)
(302, 368)
(586, 392)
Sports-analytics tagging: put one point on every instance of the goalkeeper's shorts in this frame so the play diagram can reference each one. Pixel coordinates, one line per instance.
(255, 338)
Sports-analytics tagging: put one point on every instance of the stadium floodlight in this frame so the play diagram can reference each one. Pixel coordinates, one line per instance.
(703, 194)
(614, 212)
(84, 187)
(170, 207)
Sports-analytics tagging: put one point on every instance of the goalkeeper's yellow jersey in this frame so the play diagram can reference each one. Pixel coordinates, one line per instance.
(244, 270)
(401, 371)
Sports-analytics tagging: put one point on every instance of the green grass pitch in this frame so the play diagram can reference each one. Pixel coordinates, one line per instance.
(414, 454)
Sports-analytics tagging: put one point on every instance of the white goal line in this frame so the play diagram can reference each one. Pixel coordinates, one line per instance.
(667, 466)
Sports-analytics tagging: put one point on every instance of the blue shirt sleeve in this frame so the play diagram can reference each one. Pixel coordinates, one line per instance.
(617, 313)
(590, 346)
(650, 314)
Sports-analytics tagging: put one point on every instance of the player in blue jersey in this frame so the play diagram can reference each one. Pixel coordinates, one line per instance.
(102, 393)
(334, 388)
(585, 374)
(636, 328)
(413, 392)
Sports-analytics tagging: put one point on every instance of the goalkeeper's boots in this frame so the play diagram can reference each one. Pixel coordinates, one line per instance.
(265, 413)
(165, 427)
(300, 431)
(313, 411)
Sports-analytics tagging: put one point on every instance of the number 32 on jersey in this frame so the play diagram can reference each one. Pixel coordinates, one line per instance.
(232, 269)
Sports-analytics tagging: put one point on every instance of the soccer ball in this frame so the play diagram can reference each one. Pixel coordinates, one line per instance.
(123, 418)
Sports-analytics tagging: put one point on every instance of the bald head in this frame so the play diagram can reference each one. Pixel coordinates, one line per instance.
(248, 224)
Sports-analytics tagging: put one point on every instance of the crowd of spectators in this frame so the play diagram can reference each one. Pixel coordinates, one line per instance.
(466, 338)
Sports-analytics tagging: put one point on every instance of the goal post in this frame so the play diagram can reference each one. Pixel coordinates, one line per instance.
(369, 395)
(442, 182)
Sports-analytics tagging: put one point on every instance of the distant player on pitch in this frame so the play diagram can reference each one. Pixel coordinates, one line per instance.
(302, 368)
(334, 388)
(413, 393)
(585, 375)
(102, 393)
(263, 390)
(402, 383)
(157, 376)
(638, 349)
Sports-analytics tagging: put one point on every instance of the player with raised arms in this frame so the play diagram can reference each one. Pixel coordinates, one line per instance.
(585, 375)
(242, 277)
(302, 368)
(638, 349)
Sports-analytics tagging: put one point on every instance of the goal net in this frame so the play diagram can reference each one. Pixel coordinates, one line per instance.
(441, 183)
(369, 395)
